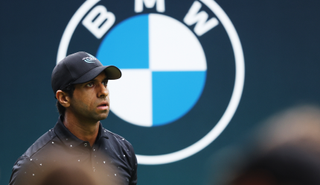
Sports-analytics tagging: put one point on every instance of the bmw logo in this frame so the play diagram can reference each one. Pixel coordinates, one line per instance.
(182, 70)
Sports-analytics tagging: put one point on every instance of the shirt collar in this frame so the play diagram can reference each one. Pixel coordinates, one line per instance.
(71, 140)
(102, 133)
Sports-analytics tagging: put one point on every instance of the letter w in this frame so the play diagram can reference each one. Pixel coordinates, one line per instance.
(200, 19)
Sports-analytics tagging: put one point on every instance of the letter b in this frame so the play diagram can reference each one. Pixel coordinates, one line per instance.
(99, 21)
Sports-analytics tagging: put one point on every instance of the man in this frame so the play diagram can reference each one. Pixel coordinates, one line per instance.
(78, 139)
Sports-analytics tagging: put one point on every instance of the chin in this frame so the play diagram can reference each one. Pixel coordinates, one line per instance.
(103, 116)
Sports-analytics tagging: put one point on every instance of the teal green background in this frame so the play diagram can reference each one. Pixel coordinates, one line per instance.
(280, 40)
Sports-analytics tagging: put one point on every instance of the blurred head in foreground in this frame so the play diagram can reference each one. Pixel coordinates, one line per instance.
(59, 169)
(284, 151)
(285, 165)
(68, 176)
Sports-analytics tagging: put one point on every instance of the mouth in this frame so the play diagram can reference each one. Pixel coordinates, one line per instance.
(103, 105)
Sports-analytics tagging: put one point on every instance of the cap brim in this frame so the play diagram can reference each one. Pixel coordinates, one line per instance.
(112, 73)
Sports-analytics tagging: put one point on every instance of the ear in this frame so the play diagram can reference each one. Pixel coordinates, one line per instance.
(63, 98)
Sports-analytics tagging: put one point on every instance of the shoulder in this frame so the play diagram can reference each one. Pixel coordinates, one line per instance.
(40, 143)
(121, 147)
(25, 165)
(119, 140)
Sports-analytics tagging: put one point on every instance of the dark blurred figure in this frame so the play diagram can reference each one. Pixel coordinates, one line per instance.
(284, 151)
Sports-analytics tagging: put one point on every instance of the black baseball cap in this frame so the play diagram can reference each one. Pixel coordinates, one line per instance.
(78, 68)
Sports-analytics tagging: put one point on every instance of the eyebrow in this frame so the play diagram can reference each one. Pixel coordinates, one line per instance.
(105, 79)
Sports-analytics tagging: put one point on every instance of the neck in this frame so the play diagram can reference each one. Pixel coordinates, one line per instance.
(82, 129)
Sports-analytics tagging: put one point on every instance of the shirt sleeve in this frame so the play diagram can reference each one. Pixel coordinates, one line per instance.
(134, 177)
(134, 167)
(24, 172)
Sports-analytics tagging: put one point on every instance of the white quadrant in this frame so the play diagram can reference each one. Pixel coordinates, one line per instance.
(133, 96)
(173, 47)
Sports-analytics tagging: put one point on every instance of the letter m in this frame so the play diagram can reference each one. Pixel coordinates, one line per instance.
(138, 5)
(200, 19)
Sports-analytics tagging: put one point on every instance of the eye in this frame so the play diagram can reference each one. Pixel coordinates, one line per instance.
(90, 84)
(105, 83)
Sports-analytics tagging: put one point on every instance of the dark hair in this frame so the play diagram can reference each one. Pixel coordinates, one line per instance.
(61, 109)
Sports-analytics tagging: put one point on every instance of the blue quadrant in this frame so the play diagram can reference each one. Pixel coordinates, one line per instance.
(127, 44)
(174, 94)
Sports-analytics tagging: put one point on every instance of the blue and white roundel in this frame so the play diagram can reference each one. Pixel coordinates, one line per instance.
(163, 69)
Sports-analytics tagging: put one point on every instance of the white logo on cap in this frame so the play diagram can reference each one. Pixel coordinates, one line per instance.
(89, 58)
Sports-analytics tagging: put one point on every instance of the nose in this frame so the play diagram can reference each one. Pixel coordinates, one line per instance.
(103, 91)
